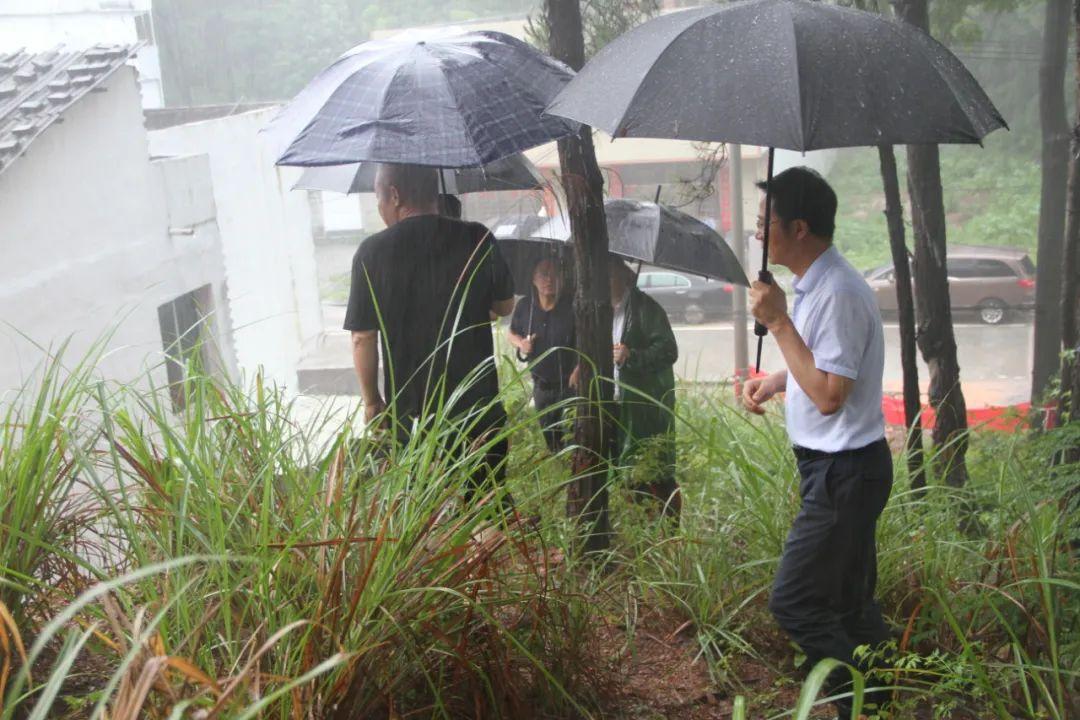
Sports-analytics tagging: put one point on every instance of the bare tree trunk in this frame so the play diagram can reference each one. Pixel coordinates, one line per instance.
(587, 497)
(936, 338)
(1069, 405)
(905, 305)
(1055, 147)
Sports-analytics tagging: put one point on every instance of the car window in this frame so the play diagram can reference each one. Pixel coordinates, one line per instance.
(1027, 265)
(680, 281)
(880, 273)
(961, 267)
(643, 280)
(661, 280)
(993, 268)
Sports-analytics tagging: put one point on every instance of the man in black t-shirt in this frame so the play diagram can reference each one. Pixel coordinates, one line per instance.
(542, 330)
(428, 286)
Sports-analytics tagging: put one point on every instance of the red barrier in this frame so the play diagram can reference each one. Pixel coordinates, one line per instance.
(1003, 418)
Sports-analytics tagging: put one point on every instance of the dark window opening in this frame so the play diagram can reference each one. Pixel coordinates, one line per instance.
(144, 28)
(187, 339)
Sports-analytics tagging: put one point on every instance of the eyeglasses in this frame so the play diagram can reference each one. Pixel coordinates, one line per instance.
(761, 222)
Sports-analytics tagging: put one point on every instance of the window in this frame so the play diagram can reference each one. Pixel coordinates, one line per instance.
(961, 268)
(680, 281)
(1027, 265)
(994, 269)
(644, 279)
(144, 28)
(186, 339)
(663, 280)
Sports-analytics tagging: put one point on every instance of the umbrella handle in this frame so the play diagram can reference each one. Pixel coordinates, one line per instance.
(760, 330)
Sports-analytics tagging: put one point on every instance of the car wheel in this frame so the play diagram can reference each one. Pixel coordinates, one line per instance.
(694, 314)
(992, 311)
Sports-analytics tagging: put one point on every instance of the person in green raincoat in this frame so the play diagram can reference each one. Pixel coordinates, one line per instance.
(645, 352)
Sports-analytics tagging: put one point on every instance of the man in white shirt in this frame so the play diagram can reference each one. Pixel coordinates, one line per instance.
(833, 346)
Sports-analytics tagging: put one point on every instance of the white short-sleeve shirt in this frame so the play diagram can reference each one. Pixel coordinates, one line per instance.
(837, 316)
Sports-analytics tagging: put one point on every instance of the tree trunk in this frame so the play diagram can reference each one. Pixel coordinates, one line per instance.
(905, 304)
(1069, 404)
(1055, 147)
(584, 186)
(936, 338)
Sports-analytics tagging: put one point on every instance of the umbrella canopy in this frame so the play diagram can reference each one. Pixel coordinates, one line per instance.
(444, 100)
(510, 173)
(780, 73)
(647, 232)
(523, 250)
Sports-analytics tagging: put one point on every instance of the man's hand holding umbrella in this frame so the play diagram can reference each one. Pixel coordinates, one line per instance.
(768, 304)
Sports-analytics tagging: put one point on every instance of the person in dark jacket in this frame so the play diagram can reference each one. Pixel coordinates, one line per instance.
(645, 352)
(542, 331)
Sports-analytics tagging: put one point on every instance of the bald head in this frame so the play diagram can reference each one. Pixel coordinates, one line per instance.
(620, 276)
(405, 190)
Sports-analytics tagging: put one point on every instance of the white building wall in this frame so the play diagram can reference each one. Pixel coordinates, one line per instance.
(85, 241)
(341, 213)
(267, 240)
(40, 25)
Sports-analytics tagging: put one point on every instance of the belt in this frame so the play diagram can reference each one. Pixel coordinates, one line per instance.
(803, 454)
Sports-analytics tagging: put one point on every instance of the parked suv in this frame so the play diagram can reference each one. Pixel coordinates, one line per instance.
(991, 281)
(687, 298)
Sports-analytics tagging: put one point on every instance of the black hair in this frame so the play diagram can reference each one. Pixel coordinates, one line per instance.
(800, 193)
(450, 206)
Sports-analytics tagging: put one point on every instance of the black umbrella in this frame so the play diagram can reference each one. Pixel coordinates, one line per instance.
(436, 99)
(647, 232)
(780, 73)
(514, 172)
(523, 250)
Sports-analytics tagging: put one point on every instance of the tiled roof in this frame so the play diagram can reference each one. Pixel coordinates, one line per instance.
(36, 89)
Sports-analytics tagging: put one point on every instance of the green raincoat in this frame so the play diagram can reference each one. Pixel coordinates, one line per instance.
(646, 432)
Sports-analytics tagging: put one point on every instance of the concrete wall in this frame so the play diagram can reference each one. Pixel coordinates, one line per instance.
(86, 246)
(266, 237)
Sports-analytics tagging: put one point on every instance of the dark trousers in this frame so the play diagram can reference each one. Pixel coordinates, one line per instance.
(546, 397)
(491, 472)
(823, 595)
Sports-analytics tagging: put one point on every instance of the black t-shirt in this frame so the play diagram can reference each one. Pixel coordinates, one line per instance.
(427, 284)
(553, 329)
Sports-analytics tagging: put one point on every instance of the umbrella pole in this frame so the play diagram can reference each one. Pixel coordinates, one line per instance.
(442, 190)
(658, 188)
(764, 275)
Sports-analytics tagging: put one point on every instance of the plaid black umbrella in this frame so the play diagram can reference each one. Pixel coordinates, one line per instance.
(510, 173)
(443, 100)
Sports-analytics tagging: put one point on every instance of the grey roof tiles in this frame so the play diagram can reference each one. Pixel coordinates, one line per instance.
(37, 88)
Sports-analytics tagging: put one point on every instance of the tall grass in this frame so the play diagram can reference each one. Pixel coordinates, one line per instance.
(256, 562)
(45, 432)
(986, 611)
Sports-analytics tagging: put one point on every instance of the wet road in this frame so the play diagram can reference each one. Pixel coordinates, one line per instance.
(995, 361)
